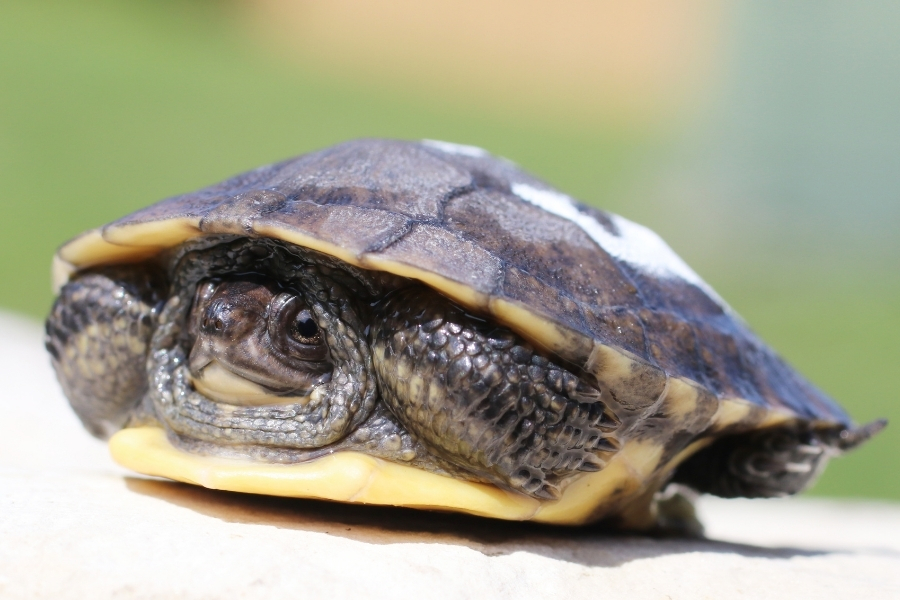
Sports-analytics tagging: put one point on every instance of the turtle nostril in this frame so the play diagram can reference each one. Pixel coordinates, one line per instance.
(216, 317)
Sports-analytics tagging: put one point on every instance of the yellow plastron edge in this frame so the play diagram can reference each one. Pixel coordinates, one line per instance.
(343, 476)
(358, 478)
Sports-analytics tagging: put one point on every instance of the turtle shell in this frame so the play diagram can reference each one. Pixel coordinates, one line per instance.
(604, 294)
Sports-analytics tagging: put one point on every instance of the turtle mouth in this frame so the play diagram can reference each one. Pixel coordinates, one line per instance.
(229, 386)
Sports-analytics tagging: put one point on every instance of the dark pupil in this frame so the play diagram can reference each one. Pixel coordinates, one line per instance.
(304, 326)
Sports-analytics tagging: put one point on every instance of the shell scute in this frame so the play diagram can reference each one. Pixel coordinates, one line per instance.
(552, 250)
(437, 250)
(356, 229)
(622, 324)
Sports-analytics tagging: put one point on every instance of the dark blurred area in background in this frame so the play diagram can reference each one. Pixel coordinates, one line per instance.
(760, 139)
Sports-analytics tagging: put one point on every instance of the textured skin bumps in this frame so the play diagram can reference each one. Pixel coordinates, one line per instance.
(480, 397)
(98, 335)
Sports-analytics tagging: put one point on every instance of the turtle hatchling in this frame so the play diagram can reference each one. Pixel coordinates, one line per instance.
(421, 324)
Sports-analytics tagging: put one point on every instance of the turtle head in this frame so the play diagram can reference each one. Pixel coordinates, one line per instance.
(255, 343)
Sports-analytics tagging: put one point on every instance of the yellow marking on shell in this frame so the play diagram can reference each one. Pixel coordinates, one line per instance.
(737, 411)
(596, 495)
(610, 363)
(777, 416)
(536, 329)
(60, 273)
(122, 244)
(218, 383)
(731, 411)
(343, 476)
(91, 249)
(680, 398)
(307, 241)
(164, 233)
(455, 290)
(688, 405)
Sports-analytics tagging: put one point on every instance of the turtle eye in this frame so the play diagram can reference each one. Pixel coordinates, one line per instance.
(304, 329)
(293, 329)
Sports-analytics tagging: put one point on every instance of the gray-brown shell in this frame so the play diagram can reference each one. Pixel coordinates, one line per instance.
(585, 284)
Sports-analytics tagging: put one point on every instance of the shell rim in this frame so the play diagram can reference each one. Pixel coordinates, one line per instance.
(142, 240)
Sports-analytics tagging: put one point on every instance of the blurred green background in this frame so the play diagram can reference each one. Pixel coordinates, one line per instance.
(761, 139)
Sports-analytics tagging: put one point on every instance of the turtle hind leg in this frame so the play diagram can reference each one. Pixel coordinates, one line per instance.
(676, 514)
(774, 462)
(98, 334)
(481, 398)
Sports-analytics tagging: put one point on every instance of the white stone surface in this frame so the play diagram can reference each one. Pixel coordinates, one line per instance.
(74, 525)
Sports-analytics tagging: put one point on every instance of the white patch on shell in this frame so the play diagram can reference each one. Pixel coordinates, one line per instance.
(460, 149)
(635, 244)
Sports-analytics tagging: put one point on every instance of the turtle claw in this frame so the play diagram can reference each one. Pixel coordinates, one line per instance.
(851, 438)
(548, 492)
(591, 464)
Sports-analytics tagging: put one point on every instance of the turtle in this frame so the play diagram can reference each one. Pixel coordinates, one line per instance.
(423, 324)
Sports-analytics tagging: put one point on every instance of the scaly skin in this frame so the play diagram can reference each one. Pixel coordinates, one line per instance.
(481, 397)
(98, 335)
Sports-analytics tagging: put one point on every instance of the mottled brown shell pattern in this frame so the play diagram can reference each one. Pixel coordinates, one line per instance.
(567, 276)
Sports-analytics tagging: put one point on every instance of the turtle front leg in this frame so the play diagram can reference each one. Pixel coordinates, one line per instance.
(98, 334)
(480, 397)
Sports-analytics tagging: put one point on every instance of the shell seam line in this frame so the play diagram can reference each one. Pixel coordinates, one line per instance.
(392, 239)
(368, 483)
(453, 194)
